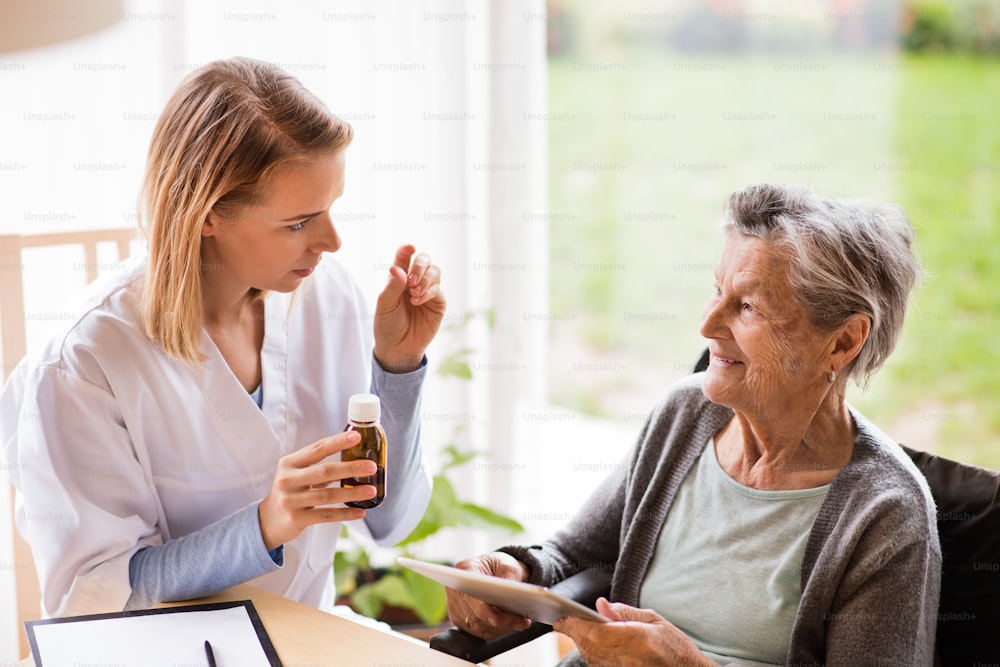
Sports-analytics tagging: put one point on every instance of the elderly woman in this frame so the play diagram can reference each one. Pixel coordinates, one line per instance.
(760, 519)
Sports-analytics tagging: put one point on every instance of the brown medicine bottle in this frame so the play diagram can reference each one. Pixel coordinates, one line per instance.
(363, 412)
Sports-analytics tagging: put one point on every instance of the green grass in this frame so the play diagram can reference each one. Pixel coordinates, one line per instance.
(644, 149)
(946, 129)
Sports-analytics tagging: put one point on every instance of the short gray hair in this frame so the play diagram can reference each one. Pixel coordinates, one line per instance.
(846, 256)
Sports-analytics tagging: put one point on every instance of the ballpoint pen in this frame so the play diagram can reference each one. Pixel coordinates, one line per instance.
(209, 654)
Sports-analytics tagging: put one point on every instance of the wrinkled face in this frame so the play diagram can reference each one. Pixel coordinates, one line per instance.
(766, 355)
(276, 242)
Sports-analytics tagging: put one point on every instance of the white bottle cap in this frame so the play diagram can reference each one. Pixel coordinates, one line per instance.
(364, 408)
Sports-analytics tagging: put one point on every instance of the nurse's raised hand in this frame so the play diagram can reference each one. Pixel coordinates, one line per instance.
(409, 311)
(305, 486)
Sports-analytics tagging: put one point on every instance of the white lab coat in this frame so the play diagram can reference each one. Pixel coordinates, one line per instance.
(115, 446)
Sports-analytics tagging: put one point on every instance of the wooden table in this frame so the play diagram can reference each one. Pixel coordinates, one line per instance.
(303, 635)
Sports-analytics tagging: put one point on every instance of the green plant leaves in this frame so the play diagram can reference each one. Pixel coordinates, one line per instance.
(403, 588)
(400, 587)
(429, 600)
(391, 588)
(444, 510)
(455, 365)
(477, 516)
(346, 567)
(457, 457)
(440, 512)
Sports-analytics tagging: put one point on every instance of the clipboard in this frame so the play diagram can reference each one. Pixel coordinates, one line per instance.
(153, 637)
(529, 600)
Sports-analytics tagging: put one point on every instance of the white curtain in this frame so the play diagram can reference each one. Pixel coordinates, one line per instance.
(447, 99)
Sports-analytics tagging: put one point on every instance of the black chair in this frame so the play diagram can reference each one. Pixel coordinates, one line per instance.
(968, 519)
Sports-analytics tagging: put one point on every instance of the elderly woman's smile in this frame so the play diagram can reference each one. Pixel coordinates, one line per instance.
(720, 361)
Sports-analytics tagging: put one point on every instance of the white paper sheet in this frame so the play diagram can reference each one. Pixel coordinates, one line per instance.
(152, 640)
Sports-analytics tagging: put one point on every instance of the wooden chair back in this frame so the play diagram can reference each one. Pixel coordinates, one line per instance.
(13, 345)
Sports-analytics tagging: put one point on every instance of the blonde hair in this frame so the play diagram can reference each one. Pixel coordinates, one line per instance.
(226, 128)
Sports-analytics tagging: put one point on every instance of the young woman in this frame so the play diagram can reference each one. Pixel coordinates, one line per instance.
(181, 434)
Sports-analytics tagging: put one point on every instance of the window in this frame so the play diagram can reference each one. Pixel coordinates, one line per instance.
(658, 110)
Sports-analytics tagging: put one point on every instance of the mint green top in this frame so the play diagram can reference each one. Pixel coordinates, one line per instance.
(726, 548)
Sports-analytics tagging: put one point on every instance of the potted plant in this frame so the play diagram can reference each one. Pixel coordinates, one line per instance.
(395, 594)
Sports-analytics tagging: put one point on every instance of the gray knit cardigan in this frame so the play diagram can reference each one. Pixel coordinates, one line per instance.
(872, 565)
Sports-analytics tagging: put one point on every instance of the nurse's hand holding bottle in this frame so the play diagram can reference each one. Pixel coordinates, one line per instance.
(306, 488)
(302, 495)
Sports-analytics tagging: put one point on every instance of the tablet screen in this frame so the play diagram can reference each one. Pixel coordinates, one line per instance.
(535, 602)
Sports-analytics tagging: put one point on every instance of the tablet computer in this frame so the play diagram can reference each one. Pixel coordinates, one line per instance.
(529, 600)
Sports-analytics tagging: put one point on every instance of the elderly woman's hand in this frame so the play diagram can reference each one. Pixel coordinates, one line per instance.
(475, 616)
(639, 637)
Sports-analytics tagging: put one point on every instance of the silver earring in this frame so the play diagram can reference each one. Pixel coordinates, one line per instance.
(831, 376)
